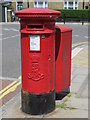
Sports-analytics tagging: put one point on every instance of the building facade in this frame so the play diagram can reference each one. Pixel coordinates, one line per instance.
(59, 4)
(4, 11)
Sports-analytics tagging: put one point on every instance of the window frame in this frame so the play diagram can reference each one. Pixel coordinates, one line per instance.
(19, 5)
(44, 5)
(67, 4)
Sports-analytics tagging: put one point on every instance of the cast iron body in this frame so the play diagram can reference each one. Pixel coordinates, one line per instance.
(38, 59)
(63, 47)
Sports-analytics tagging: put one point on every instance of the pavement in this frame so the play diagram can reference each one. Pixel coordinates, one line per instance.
(74, 105)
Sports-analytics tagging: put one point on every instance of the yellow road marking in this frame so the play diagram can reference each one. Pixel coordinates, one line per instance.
(7, 87)
(10, 90)
(82, 58)
(19, 77)
(80, 43)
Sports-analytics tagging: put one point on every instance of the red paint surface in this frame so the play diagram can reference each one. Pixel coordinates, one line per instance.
(63, 41)
(37, 12)
(38, 67)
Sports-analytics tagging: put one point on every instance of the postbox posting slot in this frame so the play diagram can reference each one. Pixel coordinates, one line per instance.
(35, 27)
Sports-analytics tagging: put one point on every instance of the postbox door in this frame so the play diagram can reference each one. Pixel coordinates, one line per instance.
(38, 62)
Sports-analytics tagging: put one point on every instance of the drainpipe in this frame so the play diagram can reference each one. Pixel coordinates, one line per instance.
(16, 5)
(27, 3)
(83, 14)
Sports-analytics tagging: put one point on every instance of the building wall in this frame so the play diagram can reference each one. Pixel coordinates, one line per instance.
(9, 16)
(24, 4)
(87, 4)
(0, 13)
(31, 4)
(80, 6)
(56, 5)
(51, 5)
(14, 6)
(3, 14)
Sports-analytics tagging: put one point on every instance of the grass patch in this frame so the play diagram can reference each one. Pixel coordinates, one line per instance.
(71, 108)
(64, 106)
(66, 99)
(69, 95)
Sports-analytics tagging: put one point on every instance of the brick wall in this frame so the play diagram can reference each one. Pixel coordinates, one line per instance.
(31, 4)
(14, 6)
(56, 5)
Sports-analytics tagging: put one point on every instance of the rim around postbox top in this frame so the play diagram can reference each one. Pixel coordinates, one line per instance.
(37, 12)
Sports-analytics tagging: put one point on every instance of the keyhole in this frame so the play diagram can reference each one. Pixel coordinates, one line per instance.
(49, 57)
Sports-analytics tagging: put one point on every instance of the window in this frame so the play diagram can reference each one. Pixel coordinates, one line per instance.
(71, 4)
(75, 3)
(65, 3)
(70, 7)
(75, 8)
(65, 7)
(86, 7)
(19, 5)
(40, 4)
(35, 4)
(46, 4)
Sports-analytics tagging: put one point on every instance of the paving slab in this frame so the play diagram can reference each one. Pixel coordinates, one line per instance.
(81, 71)
(81, 59)
(79, 79)
(78, 103)
(75, 87)
(0, 113)
(60, 113)
(12, 110)
(84, 93)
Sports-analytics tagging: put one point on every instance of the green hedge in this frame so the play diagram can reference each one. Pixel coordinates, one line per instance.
(74, 14)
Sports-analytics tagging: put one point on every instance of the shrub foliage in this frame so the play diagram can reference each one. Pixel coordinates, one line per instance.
(74, 14)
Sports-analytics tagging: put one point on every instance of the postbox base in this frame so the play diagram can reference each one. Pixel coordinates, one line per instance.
(37, 104)
(61, 95)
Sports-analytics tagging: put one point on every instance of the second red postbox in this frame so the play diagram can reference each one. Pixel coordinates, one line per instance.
(63, 47)
(38, 59)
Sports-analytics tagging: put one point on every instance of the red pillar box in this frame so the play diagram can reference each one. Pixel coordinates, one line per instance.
(38, 59)
(63, 46)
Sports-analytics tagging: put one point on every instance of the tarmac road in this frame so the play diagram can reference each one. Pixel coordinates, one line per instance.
(10, 51)
(80, 33)
(11, 46)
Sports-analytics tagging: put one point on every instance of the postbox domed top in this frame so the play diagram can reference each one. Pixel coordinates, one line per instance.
(37, 12)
